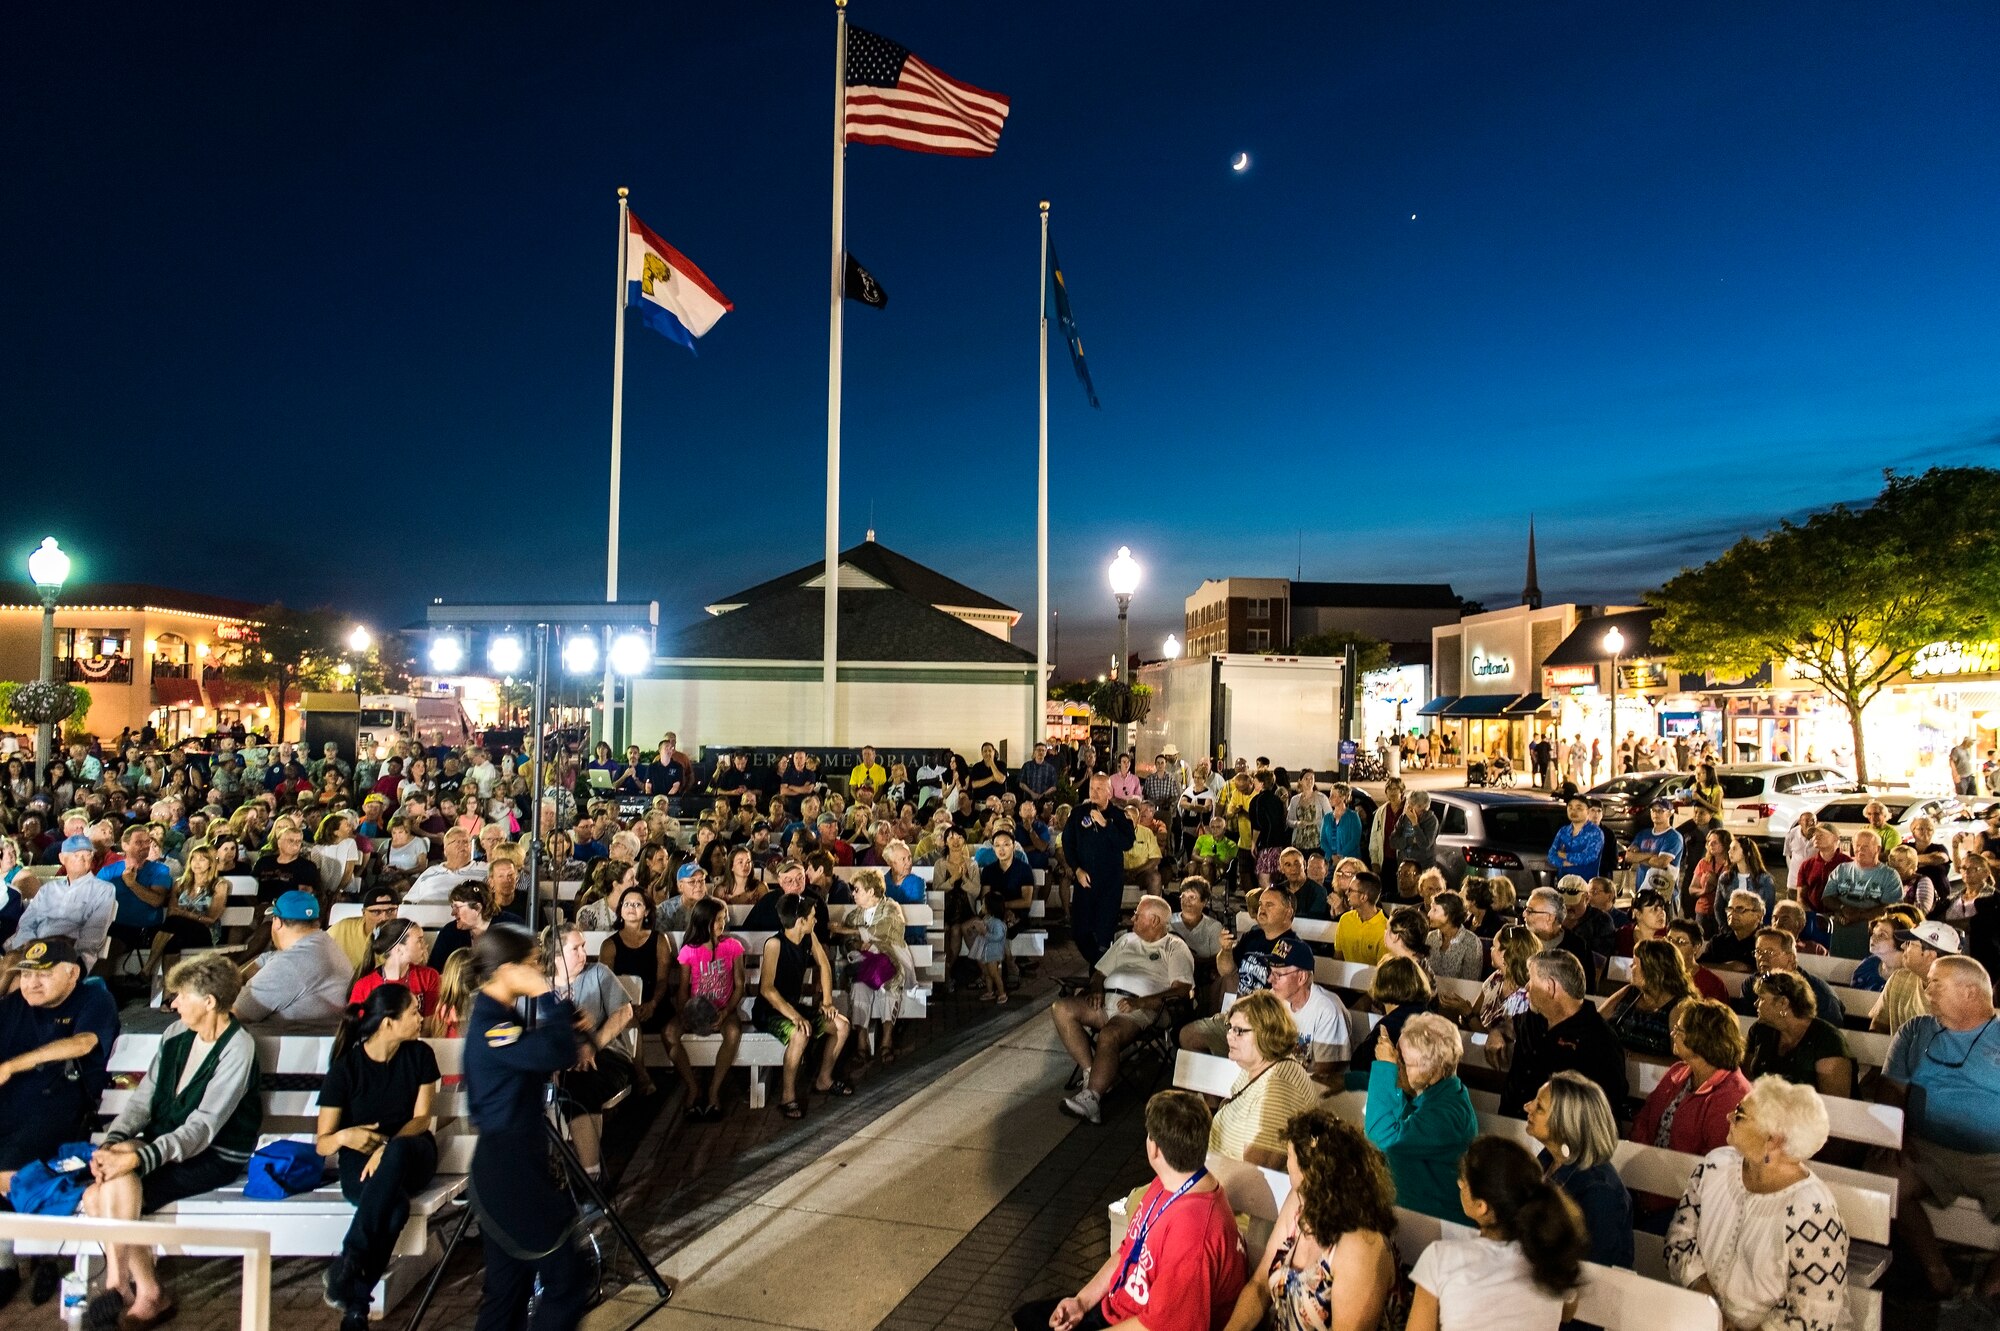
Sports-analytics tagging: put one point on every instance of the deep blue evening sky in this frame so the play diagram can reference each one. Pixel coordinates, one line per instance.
(315, 303)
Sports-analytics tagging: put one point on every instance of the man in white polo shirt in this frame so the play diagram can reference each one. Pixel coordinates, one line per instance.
(1130, 987)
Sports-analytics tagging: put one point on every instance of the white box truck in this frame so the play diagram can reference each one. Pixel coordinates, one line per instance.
(1243, 705)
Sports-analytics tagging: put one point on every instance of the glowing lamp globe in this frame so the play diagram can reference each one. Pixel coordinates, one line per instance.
(1124, 573)
(48, 565)
(1614, 643)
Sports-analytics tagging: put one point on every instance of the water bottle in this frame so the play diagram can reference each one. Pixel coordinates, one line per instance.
(75, 1295)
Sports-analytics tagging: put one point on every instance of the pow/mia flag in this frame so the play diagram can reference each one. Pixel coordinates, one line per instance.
(860, 284)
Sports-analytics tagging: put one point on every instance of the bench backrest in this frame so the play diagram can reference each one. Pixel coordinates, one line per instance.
(1867, 1201)
(280, 1054)
(430, 914)
(1611, 1298)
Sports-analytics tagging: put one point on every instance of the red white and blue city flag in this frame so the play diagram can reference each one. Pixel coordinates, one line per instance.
(893, 98)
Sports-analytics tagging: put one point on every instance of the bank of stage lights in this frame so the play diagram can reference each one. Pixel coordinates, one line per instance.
(507, 653)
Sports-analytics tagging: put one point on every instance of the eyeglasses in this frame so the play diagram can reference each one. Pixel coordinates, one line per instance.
(1234, 1029)
(1946, 1063)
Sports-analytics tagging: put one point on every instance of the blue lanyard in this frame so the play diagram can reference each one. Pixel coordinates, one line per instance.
(1147, 1219)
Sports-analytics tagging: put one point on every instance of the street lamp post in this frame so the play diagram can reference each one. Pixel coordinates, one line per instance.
(49, 567)
(1124, 581)
(1614, 643)
(358, 642)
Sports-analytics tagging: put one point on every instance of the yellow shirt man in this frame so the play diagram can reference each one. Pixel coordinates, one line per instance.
(1360, 941)
(1145, 847)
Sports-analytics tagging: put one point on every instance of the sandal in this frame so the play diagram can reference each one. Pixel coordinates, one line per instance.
(792, 1109)
(837, 1088)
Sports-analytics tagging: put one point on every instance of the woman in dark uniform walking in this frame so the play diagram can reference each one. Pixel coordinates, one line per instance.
(527, 1221)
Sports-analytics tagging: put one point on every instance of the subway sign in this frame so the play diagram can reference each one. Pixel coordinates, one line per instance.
(1956, 658)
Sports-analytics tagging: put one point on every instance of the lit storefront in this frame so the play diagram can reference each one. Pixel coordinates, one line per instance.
(1487, 670)
(147, 654)
(1577, 676)
(1951, 692)
(1390, 700)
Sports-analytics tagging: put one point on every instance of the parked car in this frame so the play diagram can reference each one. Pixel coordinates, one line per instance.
(1627, 799)
(1763, 800)
(1968, 817)
(1497, 834)
(1845, 814)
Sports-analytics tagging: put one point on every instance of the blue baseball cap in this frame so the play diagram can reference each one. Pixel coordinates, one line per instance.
(296, 907)
(77, 845)
(1288, 949)
(689, 870)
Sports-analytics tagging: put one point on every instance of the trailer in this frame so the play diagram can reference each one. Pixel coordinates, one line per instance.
(1243, 705)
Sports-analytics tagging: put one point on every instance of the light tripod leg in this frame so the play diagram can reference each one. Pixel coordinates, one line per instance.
(437, 1272)
(578, 1177)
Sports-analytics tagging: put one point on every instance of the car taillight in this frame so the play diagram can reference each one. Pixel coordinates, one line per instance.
(1757, 810)
(1480, 858)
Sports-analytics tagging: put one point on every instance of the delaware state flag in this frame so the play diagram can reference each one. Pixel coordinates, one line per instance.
(673, 297)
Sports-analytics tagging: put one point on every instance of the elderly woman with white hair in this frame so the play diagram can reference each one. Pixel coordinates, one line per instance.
(881, 968)
(1419, 1115)
(1758, 1230)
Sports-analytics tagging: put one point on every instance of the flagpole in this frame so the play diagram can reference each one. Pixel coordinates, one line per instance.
(830, 642)
(1039, 724)
(617, 461)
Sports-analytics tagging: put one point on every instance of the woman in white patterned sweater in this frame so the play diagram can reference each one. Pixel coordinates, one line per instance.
(1757, 1229)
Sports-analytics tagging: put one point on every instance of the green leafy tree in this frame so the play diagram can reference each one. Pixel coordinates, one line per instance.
(1850, 595)
(1369, 653)
(288, 649)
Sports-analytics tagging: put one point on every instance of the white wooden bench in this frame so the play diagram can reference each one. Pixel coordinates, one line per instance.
(1867, 1201)
(314, 1223)
(1615, 1299)
(430, 914)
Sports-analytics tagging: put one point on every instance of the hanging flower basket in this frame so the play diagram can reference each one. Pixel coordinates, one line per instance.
(1121, 703)
(42, 702)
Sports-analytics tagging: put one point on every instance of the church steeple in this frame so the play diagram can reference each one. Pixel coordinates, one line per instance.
(1531, 595)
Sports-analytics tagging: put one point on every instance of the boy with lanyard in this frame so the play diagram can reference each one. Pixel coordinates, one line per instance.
(1181, 1264)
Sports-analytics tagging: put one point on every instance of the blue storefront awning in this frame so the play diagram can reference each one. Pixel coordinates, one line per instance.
(1485, 705)
(1436, 706)
(1529, 704)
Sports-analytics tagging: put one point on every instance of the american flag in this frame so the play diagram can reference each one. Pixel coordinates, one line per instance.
(896, 99)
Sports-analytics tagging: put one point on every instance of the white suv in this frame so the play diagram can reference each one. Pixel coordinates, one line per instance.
(1763, 800)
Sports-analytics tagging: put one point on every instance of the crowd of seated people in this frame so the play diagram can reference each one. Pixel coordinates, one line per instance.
(1562, 990)
(1572, 991)
(118, 875)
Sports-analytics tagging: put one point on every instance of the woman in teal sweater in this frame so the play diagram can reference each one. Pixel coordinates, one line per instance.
(190, 1127)
(1419, 1115)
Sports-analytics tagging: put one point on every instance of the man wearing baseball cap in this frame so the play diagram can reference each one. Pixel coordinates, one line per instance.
(80, 905)
(351, 935)
(691, 885)
(56, 1034)
(305, 976)
(1246, 962)
(1923, 945)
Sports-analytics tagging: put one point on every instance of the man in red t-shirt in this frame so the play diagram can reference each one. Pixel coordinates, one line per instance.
(1819, 866)
(1181, 1265)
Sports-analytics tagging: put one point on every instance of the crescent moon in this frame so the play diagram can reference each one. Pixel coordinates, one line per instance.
(1242, 162)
